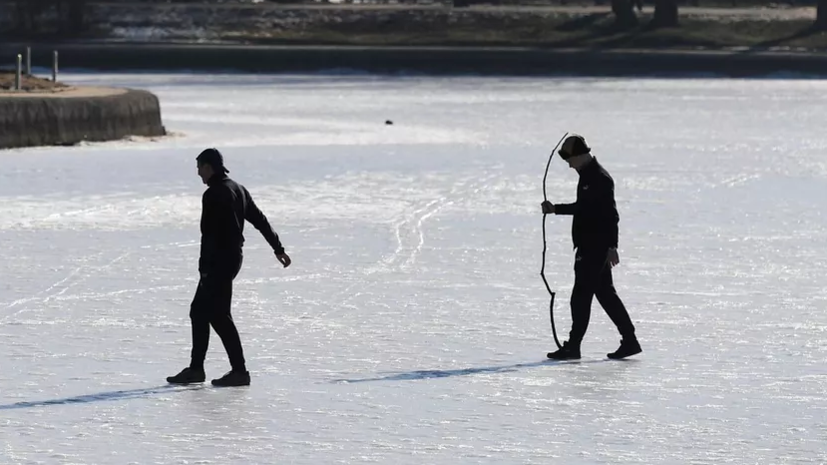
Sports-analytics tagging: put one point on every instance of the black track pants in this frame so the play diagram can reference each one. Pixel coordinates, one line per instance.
(593, 278)
(211, 307)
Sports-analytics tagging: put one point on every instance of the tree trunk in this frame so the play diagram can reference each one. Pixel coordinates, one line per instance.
(28, 14)
(821, 16)
(666, 13)
(60, 14)
(24, 16)
(19, 16)
(77, 10)
(625, 16)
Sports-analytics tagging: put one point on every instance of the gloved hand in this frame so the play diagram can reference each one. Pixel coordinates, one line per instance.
(547, 206)
(283, 258)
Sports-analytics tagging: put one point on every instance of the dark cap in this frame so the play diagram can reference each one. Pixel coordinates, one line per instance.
(212, 157)
(574, 145)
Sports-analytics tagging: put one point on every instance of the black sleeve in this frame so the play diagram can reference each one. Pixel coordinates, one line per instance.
(608, 210)
(259, 221)
(565, 208)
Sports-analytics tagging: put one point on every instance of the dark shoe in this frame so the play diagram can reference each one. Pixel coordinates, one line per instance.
(187, 376)
(568, 352)
(628, 347)
(233, 378)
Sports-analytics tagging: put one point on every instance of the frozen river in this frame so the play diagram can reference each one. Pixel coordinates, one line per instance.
(412, 326)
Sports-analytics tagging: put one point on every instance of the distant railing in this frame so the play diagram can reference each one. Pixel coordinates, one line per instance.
(23, 67)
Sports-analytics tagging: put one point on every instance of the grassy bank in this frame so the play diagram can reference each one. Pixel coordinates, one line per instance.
(558, 26)
(28, 83)
(592, 30)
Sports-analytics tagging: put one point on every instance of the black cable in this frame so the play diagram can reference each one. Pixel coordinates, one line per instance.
(543, 268)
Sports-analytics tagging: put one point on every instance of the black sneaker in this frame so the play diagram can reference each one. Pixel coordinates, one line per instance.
(628, 347)
(187, 376)
(568, 352)
(233, 378)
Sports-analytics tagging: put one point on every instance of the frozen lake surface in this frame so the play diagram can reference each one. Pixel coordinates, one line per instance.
(412, 326)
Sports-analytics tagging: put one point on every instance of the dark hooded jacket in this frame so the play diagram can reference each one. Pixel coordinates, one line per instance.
(595, 222)
(225, 206)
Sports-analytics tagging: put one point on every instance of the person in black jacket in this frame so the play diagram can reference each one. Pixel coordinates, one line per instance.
(594, 231)
(225, 206)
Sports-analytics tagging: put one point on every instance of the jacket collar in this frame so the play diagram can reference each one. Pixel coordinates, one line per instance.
(216, 178)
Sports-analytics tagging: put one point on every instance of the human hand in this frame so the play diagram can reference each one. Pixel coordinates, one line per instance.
(613, 258)
(284, 259)
(547, 206)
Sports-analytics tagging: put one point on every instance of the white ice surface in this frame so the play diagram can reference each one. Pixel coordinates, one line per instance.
(413, 325)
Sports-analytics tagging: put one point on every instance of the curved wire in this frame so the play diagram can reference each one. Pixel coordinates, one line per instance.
(543, 267)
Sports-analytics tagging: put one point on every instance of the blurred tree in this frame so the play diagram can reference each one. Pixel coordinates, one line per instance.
(69, 15)
(821, 15)
(624, 12)
(26, 14)
(666, 13)
(74, 20)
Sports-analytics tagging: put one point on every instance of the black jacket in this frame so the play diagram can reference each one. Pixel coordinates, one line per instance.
(595, 221)
(225, 206)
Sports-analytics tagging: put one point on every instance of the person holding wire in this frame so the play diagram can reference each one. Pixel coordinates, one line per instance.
(595, 236)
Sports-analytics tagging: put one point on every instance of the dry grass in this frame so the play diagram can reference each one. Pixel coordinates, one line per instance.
(29, 83)
(594, 30)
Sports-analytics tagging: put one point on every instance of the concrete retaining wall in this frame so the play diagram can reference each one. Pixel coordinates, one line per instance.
(70, 117)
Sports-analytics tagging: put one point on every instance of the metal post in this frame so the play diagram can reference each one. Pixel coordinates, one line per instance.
(28, 61)
(17, 77)
(54, 67)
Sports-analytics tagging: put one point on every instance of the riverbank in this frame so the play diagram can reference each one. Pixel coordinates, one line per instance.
(433, 39)
(573, 25)
(506, 61)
